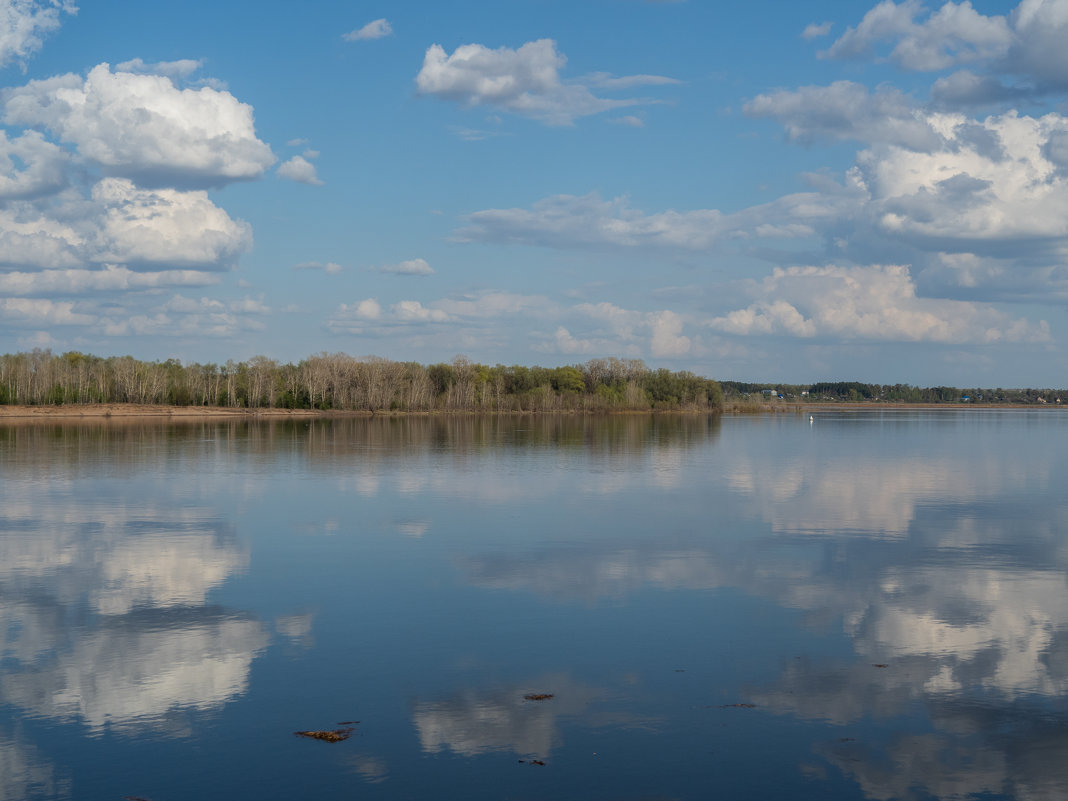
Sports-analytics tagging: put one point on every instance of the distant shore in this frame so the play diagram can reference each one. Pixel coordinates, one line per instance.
(97, 411)
(129, 411)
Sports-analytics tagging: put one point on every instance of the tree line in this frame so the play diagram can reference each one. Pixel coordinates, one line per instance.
(337, 381)
(889, 393)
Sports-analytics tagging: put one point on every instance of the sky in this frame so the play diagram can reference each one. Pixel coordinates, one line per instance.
(759, 192)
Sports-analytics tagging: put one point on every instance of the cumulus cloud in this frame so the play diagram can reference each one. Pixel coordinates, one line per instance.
(25, 23)
(43, 170)
(119, 224)
(414, 311)
(875, 303)
(164, 228)
(410, 267)
(955, 34)
(847, 110)
(994, 180)
(524, 81)
(144, 128)
(376, 29)
(1028, 42)
(41, 311)
(301, 170)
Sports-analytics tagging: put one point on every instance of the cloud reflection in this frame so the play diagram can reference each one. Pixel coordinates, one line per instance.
(472, 723)
(103, 614)
(26, 775)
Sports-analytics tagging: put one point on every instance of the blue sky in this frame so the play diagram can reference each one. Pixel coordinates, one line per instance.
(772, 191)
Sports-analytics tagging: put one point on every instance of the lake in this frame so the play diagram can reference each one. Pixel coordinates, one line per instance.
(867, 605)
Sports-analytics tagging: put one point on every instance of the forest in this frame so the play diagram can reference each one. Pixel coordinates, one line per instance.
(337, 381)
(854, 391)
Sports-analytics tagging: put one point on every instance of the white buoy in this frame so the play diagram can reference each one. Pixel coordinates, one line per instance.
(811, 419)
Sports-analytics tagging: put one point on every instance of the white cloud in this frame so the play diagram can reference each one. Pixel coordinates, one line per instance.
(410, 267)
(993, 182)
(1028, 42)
(629, 120)
(955, 34)
(164, 227)
(330, 268)
(414, 311)
(589, 221)
(875, 303)
(606, 80)
(368, 309)
(566, 220)
(524, 81)
(301, 170)
(24, 24)
(39, 311)
(108, 279)
(814, 30)
(667, 338)
(182, 68)
(492, 304)
(376, 29)
(144, 128)
(44, 171)
(847, 110)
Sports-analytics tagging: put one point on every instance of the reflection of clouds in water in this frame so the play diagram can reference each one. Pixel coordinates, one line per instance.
(957, 616)
(980, 750)
(326, 528)
(413, 528)
(116, 556)
(296, 627)
(569, 574)
(26, 775)
(133, 671)
(163, 570)
(372, 769)
(473, 723)
(107, 626)
(919, 766)
(875, 497)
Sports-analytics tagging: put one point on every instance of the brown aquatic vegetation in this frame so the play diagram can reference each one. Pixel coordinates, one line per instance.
(334, 736)
(538, 696)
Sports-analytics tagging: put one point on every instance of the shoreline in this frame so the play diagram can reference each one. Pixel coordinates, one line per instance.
(128, 411)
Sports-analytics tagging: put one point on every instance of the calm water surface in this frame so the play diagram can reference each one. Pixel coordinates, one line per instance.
(868, 606)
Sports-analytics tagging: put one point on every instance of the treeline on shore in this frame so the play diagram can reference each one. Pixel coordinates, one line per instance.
(854, 391)
(337, 381)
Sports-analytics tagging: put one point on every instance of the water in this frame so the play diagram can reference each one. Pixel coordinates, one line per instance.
(871, 605)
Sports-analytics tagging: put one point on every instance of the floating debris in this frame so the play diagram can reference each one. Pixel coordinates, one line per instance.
(736, 706)
(531, 762)
(335, 736)
(880, 666)
(538, 696)
(348, 723)
(135, 798)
